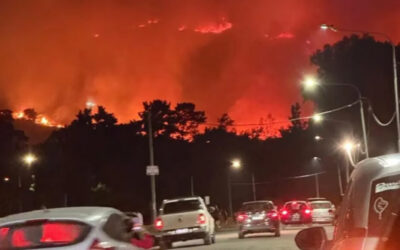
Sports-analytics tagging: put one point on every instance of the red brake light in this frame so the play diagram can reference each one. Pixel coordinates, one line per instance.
(284, 212)
(201, 219)
(241, 217)
(159, 224)
(307, 211)
(97, 245)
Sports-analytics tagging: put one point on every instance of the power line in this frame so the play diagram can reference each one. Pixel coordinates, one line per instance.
(289, 120)
(286, 178)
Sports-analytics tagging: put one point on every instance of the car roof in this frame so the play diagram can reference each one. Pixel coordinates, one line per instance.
(89, 215)
(189, 198)
(288, 202)
(362, 177)
(255, 202)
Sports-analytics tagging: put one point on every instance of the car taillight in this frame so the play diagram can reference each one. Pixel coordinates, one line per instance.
(159, 224)
(201, 219)
(241, 217)
(307, 211)
(284, 212)
(273, 215)
(98, 245)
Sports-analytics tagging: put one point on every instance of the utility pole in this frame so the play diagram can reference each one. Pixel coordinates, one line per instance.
(230, 195)
(191, 186)
(152, 177)
(317, 184)
(340, 180)
(254, 187)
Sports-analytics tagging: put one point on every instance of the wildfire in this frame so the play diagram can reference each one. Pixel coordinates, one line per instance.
(40, 120)
(214, 28)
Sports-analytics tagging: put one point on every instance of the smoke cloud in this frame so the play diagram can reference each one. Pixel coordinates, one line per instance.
(242, 57)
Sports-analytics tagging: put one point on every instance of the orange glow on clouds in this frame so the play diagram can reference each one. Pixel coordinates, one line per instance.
(214, 28)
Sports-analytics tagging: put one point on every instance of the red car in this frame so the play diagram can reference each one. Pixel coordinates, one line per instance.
(296, 212)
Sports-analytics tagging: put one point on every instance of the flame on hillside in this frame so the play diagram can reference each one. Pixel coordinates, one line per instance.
(40, 120)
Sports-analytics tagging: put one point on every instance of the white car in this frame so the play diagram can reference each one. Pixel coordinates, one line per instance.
(74, 228)
(322, 211)
(184, 219)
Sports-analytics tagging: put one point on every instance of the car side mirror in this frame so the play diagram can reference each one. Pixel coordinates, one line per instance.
(313, 238)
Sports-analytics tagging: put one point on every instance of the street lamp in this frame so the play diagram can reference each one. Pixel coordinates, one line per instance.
(317, 138)
(29, 159)
(394, 62)
(236, 164)
(318, 118)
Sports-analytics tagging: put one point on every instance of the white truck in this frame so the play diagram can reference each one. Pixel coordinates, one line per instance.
(184, 219)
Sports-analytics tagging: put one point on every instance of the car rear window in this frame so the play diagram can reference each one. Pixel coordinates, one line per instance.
(321, 205)
(257, 206)
(181, 206)
(296, 205)
(42, 234)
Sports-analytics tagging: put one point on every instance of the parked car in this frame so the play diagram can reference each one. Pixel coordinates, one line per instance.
(296, 212)
(184, 219)
(322, 211)
(74, 228)
(258, 217)
(369, 213)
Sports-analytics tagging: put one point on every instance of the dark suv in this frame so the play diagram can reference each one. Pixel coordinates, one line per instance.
(258, 217)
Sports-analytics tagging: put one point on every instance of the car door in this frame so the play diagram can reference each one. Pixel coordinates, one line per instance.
(118, 232)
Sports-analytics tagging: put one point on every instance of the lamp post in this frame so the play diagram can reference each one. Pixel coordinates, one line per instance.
(235, 164)
(28, 160)
(316, 161)
(394, 62)
(311, 83)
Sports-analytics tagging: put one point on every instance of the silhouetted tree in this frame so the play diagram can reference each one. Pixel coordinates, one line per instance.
(104, 119)
(162, 118)
(30, 114)
(188, 120)
(225, 121)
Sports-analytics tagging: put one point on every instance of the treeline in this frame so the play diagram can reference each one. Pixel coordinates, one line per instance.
(96, 161)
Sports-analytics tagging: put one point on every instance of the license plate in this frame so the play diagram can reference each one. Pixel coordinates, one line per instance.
(257, 217)
(296, 217)
(182, 230)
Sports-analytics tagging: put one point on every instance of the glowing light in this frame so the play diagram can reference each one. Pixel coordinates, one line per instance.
(6, 179)
(214, 28)
(317, 118)
(90, 104)
(324, 26)
(236, 164)
(318, 138)
(285, 35)
(348, 146)
(182, 28)
(310, 82)
(44, 121)
(29, 159)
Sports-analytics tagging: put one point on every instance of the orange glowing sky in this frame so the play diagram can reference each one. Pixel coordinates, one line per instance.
(242, 57)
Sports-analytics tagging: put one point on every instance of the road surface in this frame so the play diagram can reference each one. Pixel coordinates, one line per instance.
(229, 241)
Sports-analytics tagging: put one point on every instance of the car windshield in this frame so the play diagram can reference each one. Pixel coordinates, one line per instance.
(181, 206)
(42, 234)
(257, 206)
(321, 205)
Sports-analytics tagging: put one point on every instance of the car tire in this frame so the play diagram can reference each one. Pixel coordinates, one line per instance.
(241, 235)
(165, 245)
(213, 239)
(277, 232)
(208, 239)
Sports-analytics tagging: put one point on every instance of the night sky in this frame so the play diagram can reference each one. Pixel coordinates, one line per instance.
(244, 57)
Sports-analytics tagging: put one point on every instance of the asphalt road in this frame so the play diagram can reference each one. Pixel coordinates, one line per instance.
(230, 241)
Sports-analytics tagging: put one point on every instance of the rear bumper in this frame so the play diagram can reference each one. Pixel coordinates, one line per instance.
(292, 222)
(322, 219)
(249, 228)
(171, 235)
